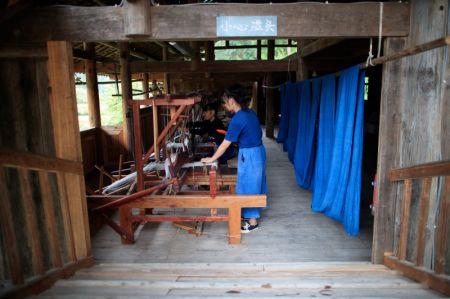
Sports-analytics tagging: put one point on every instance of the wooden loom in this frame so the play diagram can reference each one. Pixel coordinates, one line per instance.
(176, 191)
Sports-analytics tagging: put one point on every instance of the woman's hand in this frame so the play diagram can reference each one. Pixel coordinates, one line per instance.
(207, 160)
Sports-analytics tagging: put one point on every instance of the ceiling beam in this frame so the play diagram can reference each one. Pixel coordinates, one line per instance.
(188, 22)
(215, 66)
(134, 53)
(319, 45)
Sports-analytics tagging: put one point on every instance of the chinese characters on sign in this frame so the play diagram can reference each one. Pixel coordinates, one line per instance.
(247, 26)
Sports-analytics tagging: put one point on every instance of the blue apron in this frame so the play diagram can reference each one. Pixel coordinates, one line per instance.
(251, 177)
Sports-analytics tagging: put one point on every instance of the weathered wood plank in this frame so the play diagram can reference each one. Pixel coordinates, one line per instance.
(170, 22)
(63, 197)
(421, 224)
(389, 132)
(31, 222)
(92, 87)
(404, 220)
(49, 212)
(442, 230)
(39, 162)
(422, 170)
(127, 94)
(8, 234)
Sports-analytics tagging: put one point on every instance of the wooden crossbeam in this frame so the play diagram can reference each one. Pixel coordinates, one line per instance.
(186, 22)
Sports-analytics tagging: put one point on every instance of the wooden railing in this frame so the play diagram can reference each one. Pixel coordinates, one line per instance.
(433, 273)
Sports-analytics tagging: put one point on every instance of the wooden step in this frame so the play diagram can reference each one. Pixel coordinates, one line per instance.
(336, 279)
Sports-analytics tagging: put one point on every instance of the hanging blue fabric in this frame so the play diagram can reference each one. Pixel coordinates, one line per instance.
(305, 143)
(325, 138)
(284, 121)
(289, 144)
(342, 194)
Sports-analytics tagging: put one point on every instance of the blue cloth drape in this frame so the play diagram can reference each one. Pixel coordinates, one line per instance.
(342, 193)
(284, 121)
(292, 91)
(325, 138)
(305, 143)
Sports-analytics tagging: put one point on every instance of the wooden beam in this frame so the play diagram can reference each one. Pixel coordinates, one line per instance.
(428, 169)
(404, 220)
(440, 283)
(39, 162)
(8, 51)
(442, 229)
(318, 46)
(187, 22)
(215, 66)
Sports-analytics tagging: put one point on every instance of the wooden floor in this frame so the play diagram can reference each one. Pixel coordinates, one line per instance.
(295, 253)
(289, 232)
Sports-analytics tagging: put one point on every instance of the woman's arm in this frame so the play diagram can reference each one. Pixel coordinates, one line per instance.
(222, 148)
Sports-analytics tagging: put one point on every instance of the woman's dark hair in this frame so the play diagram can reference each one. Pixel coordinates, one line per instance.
(239, 94)
(211, 106)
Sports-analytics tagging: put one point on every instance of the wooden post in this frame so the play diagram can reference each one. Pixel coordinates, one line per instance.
(258, 49)
(302, 71)
(165, 57)
(63, 107)
(137, 20)
(269, 92)
(145, 82)
(125, 83)
(92, 87)
(388, 148)
(234, 225)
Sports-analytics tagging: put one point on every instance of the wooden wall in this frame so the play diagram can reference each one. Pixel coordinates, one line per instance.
(414, 122)
(43, 215)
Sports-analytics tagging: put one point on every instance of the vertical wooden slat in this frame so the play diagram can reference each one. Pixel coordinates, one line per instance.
(49, 211)
(404, 222)
(422, 223)
(92, 87)
(138, 147)
(442, 229)
(270, 107)
(234, 225)
(125, 84)
(155, 130)
(66, 216)
(31, 222)
(8, 234)
(67, 137)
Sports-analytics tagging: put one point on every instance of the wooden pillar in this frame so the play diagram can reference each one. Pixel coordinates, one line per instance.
(165, 57)
(195, 60)
(145, 82)
(137, 21)
(63, 107)
(388, 149)
(209, 56)
(302, 71)
(92, 87)
(125, 84)
(269, 93)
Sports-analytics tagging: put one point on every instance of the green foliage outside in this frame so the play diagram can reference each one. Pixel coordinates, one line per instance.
(250, 54)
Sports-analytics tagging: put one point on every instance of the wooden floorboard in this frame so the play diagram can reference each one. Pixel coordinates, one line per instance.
(289, 232)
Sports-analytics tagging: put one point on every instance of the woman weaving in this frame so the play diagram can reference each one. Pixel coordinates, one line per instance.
(244, 128)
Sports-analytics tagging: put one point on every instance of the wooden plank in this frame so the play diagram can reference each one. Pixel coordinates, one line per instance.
(170, 101)
(127, 236)
(49, 212)
(270, 101)
(422, 223)
(295, 20)
(201, 201)
(63, 199)
(214, 66)
(38, 284)
(66, 136)
(389, 132)
(9, 235)
(181, 218)
(428, 169)
(440, 283)
(39, 162)
(442, 229)
(31, 223)
(404, 224)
